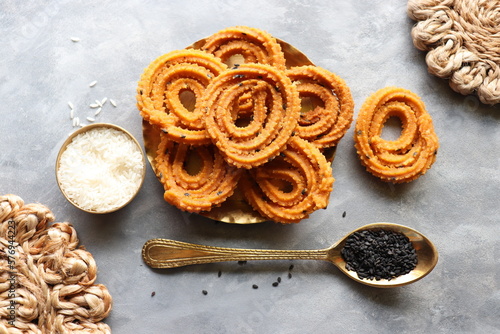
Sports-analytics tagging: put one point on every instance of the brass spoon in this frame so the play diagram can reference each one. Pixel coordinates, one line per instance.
(165, 253)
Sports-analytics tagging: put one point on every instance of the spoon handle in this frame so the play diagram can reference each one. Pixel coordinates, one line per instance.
(165, 253)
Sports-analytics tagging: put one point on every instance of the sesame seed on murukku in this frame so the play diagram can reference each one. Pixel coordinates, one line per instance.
(161, 86)
(275, 112)
(292, 186)
(328, 117)
(253, 45)
(195, 178)
(409, 156)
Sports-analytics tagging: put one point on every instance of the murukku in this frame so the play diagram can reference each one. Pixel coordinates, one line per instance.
(409, 156)
(195, 178)
(253, 45)
(274, 113)
(327, 105)
(231, 116)
(161, 88)
(291, 186)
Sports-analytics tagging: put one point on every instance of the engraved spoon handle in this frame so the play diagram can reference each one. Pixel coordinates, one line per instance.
(165, 253)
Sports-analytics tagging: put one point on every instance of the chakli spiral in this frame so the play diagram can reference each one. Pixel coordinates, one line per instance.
(46, 278)
(462, 40)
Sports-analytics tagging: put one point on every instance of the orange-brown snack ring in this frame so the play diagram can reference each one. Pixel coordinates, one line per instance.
(292, 186)
(160, 88)
(276, 107)
(326, 122)
(254, 45)
(195, 178)
(409, 156)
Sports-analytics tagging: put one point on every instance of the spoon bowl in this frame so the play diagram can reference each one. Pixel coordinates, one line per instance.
(166, 253)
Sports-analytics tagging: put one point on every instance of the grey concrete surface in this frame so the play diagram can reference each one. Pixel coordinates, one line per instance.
(368, 44)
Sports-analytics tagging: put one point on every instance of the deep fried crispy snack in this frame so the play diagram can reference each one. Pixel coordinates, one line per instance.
(406, 158)
(275, 111)
(161, 86)
(254, 45)
(330, 116)
(292, 186)
(195, 178)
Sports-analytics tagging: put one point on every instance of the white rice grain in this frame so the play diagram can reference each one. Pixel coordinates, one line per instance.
(104, 101)
(72, 114)
(93, 83)
(101, 169)
(71, 106)
(113, 103)
(75, 39)
(98, 103)
(90, 119)
(98, 111)
(94, 105)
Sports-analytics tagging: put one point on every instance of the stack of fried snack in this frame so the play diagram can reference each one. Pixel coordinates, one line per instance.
(247, 127)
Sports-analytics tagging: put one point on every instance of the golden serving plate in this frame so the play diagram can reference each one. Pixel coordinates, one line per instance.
(235, 210)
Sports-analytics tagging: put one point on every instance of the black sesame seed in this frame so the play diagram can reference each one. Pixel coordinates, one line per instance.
(219, 273)
(379, 254)
(344, 214)
(275, 284)
(153, 294)
(289, 275)
(279, 279)
(205, 292)
(291, 267)
(255, 286)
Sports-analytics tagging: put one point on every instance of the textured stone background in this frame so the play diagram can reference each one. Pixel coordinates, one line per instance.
(368, 44)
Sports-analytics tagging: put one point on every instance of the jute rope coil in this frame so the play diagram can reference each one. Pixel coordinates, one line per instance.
(462, 40)
(46, 279)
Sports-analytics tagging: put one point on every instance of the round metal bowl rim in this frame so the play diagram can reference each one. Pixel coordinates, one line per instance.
(88, 128)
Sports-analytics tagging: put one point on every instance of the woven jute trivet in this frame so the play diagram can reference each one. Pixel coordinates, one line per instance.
(462, 40)
(46, 278)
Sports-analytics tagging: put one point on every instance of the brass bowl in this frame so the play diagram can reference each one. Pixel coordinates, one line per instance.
(83, 130)
(235, 210)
